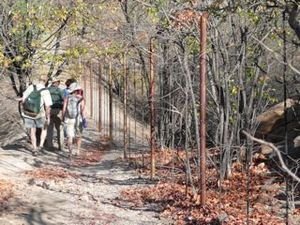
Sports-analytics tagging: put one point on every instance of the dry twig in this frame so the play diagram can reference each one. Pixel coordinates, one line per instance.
(282, 163)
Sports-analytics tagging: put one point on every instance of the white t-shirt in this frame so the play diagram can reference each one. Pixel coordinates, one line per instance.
(45, 98)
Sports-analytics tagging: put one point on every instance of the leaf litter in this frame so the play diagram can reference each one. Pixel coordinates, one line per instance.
(6, 193)
(226, 201)
(51, 173)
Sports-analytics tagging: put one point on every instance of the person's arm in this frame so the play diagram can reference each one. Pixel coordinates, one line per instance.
(65, 93)
(47, 104)
(26, 93)
(82, 108)
(63, 112)
(83, 113)
(19, 99)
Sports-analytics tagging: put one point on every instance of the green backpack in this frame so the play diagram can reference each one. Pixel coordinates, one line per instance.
(57, 97)
(32, 104)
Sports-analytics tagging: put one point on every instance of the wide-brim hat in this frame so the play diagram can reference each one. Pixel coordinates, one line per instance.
(74, 87)
(55, 79)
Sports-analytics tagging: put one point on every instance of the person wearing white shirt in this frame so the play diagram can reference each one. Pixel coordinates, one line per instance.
(42, 120)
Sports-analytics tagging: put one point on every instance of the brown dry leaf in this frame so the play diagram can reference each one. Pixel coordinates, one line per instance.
(88, 158)
(6, 191)
(50, 173)
(231, 201)
(228, 197)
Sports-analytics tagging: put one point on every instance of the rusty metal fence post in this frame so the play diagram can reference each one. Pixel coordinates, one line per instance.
(104, 102)
(91, 91)
(134, 104)
(127, 83)
(100, 98)
(84, 86)
(151, 106)
(203, 103)
(110, 103)
(125, 107)
(143, 109)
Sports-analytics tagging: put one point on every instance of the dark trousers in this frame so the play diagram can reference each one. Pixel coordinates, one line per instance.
(55, 121)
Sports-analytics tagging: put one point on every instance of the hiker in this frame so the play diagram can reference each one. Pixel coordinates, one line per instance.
(74, 117)
(36, 112)
(68, 83)
(57, 96)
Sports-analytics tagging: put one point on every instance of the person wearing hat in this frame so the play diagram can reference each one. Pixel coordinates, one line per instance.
(57, 96)
(68, 83)
(74, 117)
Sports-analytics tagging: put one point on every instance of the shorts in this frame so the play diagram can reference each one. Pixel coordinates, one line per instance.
(73, 127)
(35, 123)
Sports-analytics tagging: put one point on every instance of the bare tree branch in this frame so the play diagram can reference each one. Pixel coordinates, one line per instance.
(276, 55)
(282, 163)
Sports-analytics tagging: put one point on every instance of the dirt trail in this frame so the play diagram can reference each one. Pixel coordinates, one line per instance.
(86, 194)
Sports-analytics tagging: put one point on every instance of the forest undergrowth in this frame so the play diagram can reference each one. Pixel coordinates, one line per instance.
(259, 188)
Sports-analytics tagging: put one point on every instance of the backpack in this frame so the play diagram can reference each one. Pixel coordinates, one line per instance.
(57, 97)
(72, 106)
(32, 104)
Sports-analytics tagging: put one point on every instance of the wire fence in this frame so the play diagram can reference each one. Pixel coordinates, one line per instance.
(114, 116)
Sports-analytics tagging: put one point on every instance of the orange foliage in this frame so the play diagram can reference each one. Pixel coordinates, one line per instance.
(226, 200)
(184, 18)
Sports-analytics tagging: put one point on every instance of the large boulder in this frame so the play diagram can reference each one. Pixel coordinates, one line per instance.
(271, 123)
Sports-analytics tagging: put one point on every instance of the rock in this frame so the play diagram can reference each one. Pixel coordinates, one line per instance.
(84, 197)
(31, 182)
(272, 126)
(223, 217)
(266, 150)
(268, 119)
(45, 185)
(297, 142)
